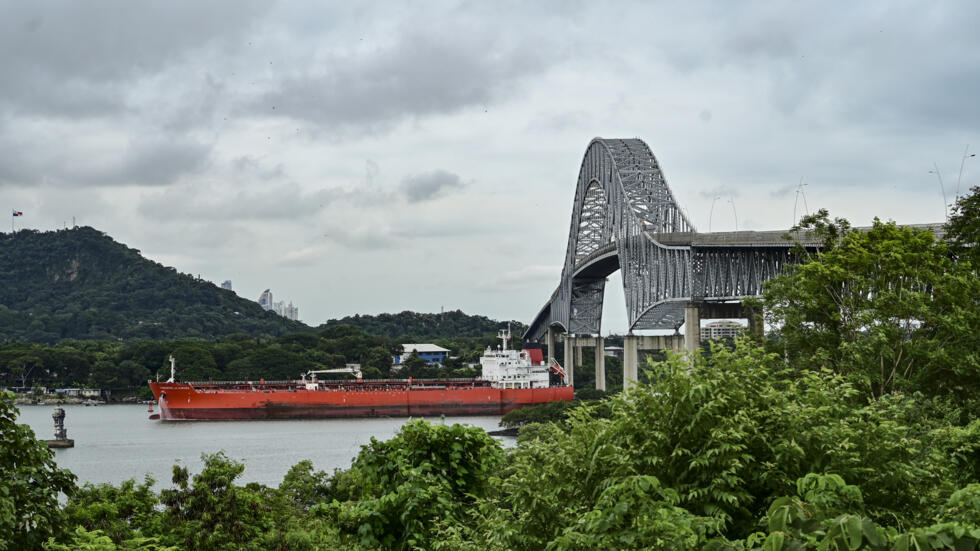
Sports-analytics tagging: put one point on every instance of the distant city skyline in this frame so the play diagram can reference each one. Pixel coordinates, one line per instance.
(381, 157)
(287, 311)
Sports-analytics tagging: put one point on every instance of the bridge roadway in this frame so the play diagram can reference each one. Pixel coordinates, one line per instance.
(777, 238)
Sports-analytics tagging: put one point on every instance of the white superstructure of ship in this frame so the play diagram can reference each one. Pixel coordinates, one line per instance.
(506, 368)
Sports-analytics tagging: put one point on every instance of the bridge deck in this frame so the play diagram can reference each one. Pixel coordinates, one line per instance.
(771, 238)
(736, 239)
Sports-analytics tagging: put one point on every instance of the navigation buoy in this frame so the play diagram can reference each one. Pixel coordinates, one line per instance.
(150, 409)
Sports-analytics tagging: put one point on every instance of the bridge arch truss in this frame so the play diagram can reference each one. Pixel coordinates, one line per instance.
(625, 217)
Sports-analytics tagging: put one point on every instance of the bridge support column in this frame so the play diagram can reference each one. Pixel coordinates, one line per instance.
(631, 361)
(569, 360)
(549, 343)
(579, 360)
(600, 364)
(692, 328)
(757, 328)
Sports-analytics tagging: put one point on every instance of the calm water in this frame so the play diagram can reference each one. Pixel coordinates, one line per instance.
(117, 442)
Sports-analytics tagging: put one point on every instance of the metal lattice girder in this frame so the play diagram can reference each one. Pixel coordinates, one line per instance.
(736, 272)
(585, 314)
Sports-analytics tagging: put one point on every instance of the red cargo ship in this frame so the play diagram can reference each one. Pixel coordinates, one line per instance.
(511, 379)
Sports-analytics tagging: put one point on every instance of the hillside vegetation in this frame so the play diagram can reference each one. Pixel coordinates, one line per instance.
(420, 327)
(80, 284)
(124, 365)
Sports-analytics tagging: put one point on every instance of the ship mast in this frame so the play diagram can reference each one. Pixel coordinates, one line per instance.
(504, 336)
(173, 371)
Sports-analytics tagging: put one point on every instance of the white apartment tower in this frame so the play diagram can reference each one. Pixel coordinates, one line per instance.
(265, 300)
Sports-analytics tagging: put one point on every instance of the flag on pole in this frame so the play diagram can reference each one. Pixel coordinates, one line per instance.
(18, 213)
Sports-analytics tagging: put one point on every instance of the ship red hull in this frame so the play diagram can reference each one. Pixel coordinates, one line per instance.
(179, 401)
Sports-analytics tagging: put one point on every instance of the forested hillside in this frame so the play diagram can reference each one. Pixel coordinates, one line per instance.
(415, 326)
(80, 284)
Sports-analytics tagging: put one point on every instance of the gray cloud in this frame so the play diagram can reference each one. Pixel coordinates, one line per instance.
(32, 158)
(71, 59)
(205, 202)
(417, 74)
(423, 187)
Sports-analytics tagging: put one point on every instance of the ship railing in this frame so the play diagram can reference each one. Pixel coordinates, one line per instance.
(455, 380)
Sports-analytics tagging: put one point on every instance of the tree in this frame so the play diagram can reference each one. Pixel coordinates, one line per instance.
(885, 306)
(211, 511)
(30, 483)
(963, 228)
(119, 513)
(704, 453)
(194, 361)
(398, 492)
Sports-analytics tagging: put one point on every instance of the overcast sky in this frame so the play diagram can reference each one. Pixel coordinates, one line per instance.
(377, 157)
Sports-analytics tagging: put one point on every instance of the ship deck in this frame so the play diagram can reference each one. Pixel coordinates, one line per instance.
(208, 387)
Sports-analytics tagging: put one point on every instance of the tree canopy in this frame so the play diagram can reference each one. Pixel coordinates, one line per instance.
(887, 307)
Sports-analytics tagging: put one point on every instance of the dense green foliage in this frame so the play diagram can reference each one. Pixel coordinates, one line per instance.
(118, 365)
(963, 229)
(29, 484)
(129, 364)
(80, 284)
(886, 307)
(737, 451)
(418, 327)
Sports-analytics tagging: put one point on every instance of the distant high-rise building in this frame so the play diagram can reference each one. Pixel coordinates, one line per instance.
(280, 307)
(265, 300)
(226, 284)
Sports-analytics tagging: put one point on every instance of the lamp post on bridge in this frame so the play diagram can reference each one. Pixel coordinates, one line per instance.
(712, 211)
(799, 191)
(960, 176)
(942, 188)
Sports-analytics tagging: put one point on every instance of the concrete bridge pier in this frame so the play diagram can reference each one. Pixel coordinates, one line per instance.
(692, 327)
(695, 311)
(757, 327)
(631, 361)
(633, 344)
(549, 342)
(575, 354)
(600, 363)
(569, 359)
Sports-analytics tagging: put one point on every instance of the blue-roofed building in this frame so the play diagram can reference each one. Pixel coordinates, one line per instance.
(429, 352)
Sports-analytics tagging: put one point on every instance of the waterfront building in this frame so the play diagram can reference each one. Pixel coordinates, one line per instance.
(721, 329)
(226, 284)
(429, 352)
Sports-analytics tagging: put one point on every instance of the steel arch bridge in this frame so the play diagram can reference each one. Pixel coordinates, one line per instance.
(625, 217)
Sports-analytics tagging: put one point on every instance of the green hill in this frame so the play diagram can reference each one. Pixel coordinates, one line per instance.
(427, 327)
(80, 284)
